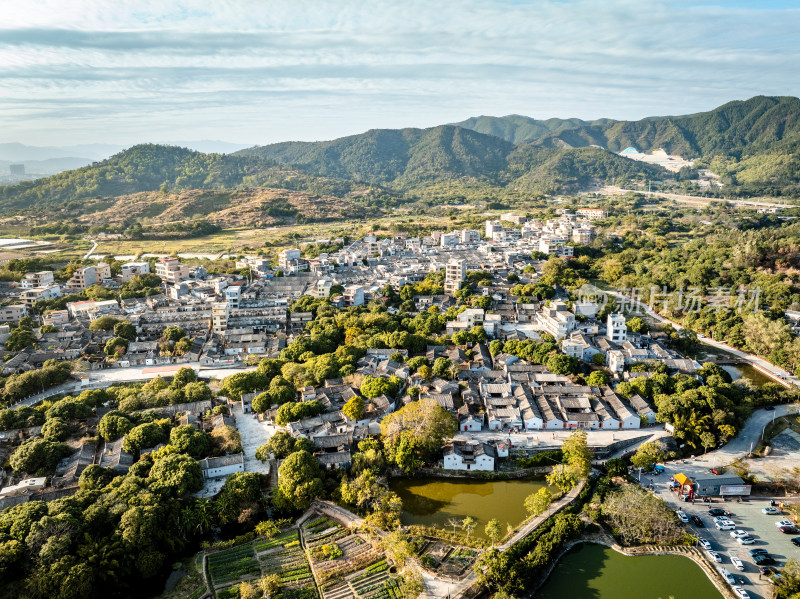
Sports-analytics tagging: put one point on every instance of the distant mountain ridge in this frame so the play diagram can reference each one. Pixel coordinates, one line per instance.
(754, 145)
(735, 128)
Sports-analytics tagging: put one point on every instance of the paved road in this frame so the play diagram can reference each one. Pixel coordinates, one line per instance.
(91, 251)
(611, 189)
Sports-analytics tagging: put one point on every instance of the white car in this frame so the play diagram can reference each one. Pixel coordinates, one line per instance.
(715, 556)
(771, 511)
(784, 523)
(682, 517)
(736, 534)
(737, 563)
(729, 525)
(748, 540)
(703, 543)
(726, 575)
(741, 592)
(721, 519)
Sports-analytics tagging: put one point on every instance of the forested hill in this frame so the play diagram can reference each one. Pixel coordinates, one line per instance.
(145, 167)
(410, 158)
(735, 129)
(386, 155)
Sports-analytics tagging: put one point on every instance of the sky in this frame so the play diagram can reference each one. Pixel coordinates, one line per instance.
(263, 71)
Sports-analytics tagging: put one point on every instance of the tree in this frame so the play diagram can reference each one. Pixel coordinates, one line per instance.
(281, 444)
(95, 477)
(416, 432)
(226, 439)
(493, 530)
(116, 346)
(269, 585)
(562, 477)
(299, 482)
(176, 474)
(707, 440)
(354, 408)
(183, 377)
(562, 364)
(125, 329)
(104, 323)
(294, 411)
(468, 524)
(114, 425)
(648, 454)
(55, 429)
(373, 386)
(577, 454)
(425, 372)
(597, 378)
(442, 367)
(188, 439)
(763, 335)
(143, 436)
(616, 467)
(38, 455)
(173, 333)
(537, 503)
(197, 391)
(598, 359)
(636, 325)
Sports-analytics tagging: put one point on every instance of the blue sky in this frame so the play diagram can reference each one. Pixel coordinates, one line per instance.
(260, 71)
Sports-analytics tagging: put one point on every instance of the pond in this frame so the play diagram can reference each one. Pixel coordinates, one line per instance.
(591, 571)
(434, 501)
(746, 372)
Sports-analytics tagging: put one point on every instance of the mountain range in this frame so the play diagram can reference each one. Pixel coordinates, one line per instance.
(752, 144)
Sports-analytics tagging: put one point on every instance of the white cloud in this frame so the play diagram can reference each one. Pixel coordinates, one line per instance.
(256, 71)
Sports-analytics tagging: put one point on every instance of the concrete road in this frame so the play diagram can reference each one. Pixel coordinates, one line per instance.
(253, 434)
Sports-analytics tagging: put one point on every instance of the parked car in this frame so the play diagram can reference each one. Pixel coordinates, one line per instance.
(769, 408)
(771, 511)
(767, 570)
(796, 541)
(697, 521)
(726, 525)
(758, 551)
(716, 511)
(788, 530)
(763, 560)
(739, 533)
(737, 563)
(715, 556)
(682, 516)
(721, 519)
(748, 540)
(780, 523)
(703, 543)
(726, 575)
(741, 592)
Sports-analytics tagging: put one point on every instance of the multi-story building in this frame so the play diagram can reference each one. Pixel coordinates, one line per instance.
(616, 329)
(583, 234)
(454, 274)
(449, 240)
(37, 279)
(88, 276)
(556, 320)
(29, 297)
(353, 295)
(492, 227)
(470, 236)
(591, 213)
(171, 270)
(132, 269)
(12, 313)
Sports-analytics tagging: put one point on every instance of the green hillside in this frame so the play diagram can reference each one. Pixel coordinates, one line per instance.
(386, 155)
(145, 167)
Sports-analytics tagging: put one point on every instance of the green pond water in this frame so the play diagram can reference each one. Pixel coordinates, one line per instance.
(591, 571)
(433, 501)
(746, 372)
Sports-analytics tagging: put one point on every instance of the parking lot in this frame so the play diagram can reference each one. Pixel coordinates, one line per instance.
(747, 516)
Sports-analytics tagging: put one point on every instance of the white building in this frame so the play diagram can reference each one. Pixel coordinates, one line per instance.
(454, 274)
(465, 456)
(132, 269)
(615, 360)
(353, 295)
(492, 227)
(42, 278)
(449, 240)
(616, 329)
(470, 236)
(222, 466)
(12, 313)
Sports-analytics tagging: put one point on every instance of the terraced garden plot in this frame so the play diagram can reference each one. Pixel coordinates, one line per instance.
(289, 563)
(234, 564)
(286, 538)
(356, 553)
(373, 582)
